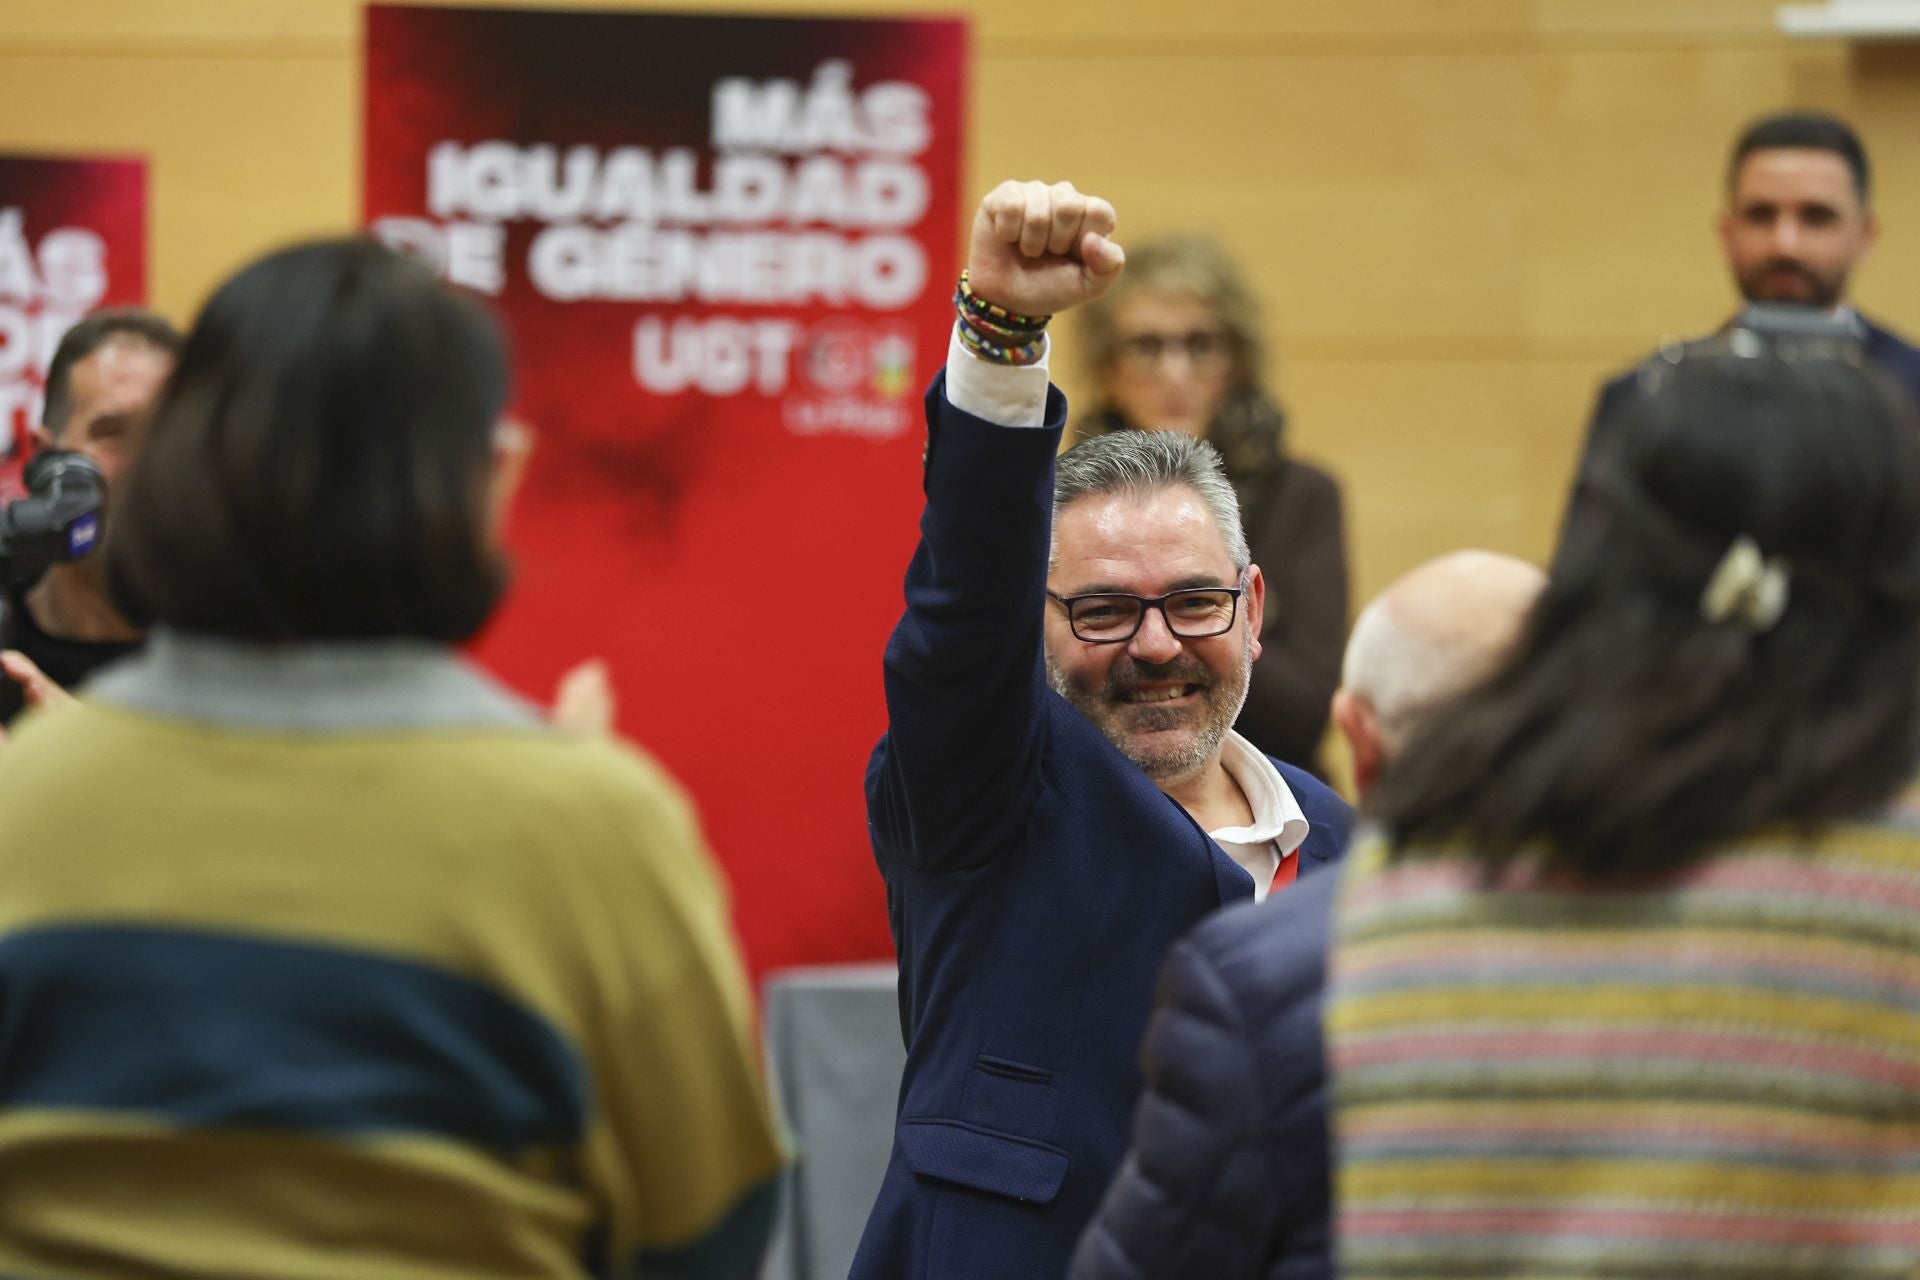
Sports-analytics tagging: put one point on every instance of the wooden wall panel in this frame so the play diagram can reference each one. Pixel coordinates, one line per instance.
(1879, 85)
(1305, 159)
(1411, 441)
(244, 153)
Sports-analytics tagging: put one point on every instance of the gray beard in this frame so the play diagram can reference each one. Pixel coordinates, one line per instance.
(1225, 698)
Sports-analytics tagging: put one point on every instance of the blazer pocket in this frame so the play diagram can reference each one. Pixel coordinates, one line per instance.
(1004, 1096)
(999, 1163)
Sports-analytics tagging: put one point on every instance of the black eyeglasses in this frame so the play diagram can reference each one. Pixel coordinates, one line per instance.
(1109, 617)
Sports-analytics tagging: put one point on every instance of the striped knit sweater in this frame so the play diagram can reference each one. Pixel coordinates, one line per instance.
(1717, 1076)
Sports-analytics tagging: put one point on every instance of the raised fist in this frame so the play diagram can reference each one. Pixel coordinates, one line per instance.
(1040, 248)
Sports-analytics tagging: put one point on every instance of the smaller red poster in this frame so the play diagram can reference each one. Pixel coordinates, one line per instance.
(73, 238)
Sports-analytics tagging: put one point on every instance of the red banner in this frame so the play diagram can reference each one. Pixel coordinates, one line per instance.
(720, 246)
(73, 237)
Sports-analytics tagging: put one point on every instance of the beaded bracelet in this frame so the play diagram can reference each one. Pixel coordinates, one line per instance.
(1002, 335)
(994, 333)
(993, 313)
(997, 352)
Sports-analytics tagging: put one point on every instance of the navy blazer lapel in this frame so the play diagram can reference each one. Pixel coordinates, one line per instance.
(1321, 845)
(1229, 877)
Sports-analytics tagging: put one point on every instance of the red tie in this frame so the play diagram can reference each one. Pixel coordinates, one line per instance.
(1284, 873)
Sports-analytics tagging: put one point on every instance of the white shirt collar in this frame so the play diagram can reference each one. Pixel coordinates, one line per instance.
(1277, 816)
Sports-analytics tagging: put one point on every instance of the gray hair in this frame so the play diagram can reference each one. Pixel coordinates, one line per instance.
(1144, 462)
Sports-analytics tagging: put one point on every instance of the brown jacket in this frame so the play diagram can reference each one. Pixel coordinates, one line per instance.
(1297, 537)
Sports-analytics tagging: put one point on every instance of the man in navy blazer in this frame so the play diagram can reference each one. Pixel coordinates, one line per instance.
(1060, 695)
(1799, 219)
(1229, 1175)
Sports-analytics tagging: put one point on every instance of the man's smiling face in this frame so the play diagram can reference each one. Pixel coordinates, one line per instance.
(1165, 702)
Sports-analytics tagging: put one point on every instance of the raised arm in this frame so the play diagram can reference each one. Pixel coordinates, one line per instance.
(957, 771)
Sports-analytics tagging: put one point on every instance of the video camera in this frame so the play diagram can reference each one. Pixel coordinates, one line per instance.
(1763, 328)
(1808, 330)
(1776, 326)
(59, 519)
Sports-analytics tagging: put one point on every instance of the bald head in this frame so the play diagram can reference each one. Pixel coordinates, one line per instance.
(1430, 636)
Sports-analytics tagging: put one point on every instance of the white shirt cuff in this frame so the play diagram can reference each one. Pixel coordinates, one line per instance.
(1010, 395)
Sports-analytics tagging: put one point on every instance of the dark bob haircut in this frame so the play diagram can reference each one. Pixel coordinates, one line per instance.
(318, 467)
(1628, 732)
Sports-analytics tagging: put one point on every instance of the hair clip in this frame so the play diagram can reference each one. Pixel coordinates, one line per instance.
(1748, 586)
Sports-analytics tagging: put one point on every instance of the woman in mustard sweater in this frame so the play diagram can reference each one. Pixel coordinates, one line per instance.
(320, 953)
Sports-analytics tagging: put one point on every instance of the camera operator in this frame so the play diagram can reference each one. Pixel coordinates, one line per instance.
(60, 625)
